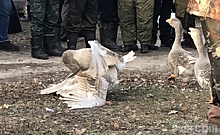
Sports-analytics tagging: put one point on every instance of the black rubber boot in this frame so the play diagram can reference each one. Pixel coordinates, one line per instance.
(89, 35)
(57, 40)
(71, 44)
(144, 48)
(107, 37)
(36, 48)
(114, 34)
(49, 46)
(153, 47)
(128, 48)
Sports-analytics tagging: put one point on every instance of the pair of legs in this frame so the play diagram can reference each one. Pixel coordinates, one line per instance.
(187, 21)
(162, 9)
(135, 23)
(211, 29)
(44, 19)
(83, 14)
(108, 23)
(5, 11)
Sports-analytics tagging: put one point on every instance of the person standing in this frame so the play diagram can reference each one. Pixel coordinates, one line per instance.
(108, 23)
(162, 8)
(136, 22)
(58, 28)
(209, 13)
(83, 14)
(187, 20)
(44, 18)
(64, 7)
(5, 11)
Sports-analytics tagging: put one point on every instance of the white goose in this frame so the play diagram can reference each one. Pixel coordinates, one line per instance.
(181, 61)
(202, 66)
(87, 86)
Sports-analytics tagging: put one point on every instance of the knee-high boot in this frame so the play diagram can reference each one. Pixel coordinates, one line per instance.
(89, 35)
(108, 36)
(37, 48)
(49, 46)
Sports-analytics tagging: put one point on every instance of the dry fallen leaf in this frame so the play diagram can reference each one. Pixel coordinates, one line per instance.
(4, 106)
(184, 110)
(116, 125)
(35, 80)
(164, 130)
(77, 132)
(173, 101)
(108, 103)
(160, 81)
(121, 80)
(196, 118)
(88, 124)
(135, 80)
(127, 108)
(80, 132)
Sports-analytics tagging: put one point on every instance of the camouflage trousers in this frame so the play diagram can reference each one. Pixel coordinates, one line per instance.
(136, 20)
(44, 16)
(211, 30)
(82, 13)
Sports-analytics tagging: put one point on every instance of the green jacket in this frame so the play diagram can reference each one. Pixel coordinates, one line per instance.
(181, 6)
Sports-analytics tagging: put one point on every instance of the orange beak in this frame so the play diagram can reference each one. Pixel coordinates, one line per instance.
(168, 21)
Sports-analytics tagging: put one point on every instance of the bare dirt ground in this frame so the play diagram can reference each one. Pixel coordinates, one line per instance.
(144, 103)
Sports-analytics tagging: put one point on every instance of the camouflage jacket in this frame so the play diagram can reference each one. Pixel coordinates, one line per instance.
(204, 8)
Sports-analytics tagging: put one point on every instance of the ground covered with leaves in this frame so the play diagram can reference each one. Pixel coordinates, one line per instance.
(143, 103)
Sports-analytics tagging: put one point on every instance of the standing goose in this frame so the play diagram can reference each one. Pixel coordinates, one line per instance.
(91, 77)
(181, 61)
(202, 66)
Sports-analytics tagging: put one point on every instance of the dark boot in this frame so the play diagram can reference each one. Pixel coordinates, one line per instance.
(57, 40)
(128, 48)
(153, 47)
(36, 48)
(89, 35)
(71, 44)
(106, 37)
(49, 46)
(144, 48)
(8, 46)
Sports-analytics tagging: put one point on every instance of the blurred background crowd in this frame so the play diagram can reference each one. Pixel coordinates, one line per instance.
(135, 27)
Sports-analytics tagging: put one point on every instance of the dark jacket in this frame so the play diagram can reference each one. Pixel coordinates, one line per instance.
(14, 24)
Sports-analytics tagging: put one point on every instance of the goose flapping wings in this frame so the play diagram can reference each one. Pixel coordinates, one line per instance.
(95, 60)
(81, 92)
(91, 77)
(101, 59)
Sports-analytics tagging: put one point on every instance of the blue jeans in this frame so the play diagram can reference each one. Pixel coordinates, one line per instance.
(5, 10)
